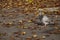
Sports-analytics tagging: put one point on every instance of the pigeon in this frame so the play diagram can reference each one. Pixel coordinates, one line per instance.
(45, 20)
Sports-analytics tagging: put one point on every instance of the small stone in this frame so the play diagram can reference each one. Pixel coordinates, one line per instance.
(10, 23)
(34, 36)
(23, 33)
(43, 37)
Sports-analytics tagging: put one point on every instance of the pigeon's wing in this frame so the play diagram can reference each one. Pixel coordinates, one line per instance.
(45, 19)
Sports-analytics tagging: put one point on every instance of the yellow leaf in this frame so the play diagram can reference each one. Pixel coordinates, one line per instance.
(29, 1)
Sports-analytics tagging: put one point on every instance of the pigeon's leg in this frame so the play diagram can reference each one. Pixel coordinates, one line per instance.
(45, 25)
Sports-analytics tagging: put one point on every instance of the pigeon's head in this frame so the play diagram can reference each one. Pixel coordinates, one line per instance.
(41, 13)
